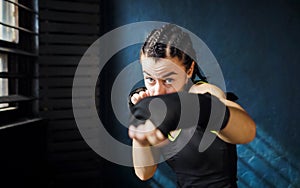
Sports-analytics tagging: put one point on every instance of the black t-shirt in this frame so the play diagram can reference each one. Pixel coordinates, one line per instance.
(216, 167)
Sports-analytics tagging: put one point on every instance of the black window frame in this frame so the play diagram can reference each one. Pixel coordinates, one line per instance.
(22, 64)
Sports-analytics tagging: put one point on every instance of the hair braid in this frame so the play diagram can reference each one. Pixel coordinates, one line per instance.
(179, 44)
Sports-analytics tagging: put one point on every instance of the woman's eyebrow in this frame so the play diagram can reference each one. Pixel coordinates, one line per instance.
(166, 75)
(169, 74)
(147, 73)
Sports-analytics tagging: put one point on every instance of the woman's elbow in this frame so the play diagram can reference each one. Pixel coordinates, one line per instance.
(243, 127)
(143, 174)
(237, 132)
(251, 132)
(143, 177)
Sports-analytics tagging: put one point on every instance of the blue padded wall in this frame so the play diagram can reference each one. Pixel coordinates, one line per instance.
(257, 46)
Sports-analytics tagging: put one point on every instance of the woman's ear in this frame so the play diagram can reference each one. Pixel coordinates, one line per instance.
(191, 70)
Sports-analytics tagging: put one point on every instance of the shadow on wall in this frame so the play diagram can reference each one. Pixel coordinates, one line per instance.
(267, 164)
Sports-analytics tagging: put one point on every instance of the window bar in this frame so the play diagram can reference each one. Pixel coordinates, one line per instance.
(19, 28)
(15, 98)
(22, 6)
(14, 75)
(17, 51)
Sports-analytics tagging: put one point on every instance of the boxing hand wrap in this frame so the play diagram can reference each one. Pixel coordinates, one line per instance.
(168, 120)
(212, 111)
(163, 110)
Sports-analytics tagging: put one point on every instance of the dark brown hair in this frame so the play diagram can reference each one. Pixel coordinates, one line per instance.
(171, 41)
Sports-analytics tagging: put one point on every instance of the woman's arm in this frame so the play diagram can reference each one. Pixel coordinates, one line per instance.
(240, 128)
(142, 157)
(145, 158)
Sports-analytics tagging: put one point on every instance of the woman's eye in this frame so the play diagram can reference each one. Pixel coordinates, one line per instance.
(149, 80)
(169, 81)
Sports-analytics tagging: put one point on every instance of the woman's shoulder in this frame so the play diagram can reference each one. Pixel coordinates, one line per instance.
(216, 91)
(203, 87)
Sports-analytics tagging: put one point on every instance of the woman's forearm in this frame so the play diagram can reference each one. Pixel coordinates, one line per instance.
(143, 160)
(240, 128)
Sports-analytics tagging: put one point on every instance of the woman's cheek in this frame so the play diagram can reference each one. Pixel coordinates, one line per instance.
(171, 89)
(176, 87)
(150, 90)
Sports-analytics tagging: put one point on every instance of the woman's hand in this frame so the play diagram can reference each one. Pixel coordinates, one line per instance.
(147, 134)
(138, 96)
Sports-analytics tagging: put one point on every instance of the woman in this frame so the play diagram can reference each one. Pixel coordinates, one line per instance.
(167, 69)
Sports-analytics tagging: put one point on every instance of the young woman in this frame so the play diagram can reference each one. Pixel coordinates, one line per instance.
(167, 68)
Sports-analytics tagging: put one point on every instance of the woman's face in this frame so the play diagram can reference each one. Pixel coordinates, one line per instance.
(164, 75)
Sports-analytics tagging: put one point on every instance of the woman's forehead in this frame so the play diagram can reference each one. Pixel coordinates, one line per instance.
(161, 61)
(160, 67)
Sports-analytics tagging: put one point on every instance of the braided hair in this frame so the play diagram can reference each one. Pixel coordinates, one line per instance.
(171, 41)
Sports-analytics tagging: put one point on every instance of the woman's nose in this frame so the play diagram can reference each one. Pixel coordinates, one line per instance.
(159, 89)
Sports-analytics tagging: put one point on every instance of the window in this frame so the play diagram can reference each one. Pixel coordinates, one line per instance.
(9, 19)
(18, 60)
(3, 81)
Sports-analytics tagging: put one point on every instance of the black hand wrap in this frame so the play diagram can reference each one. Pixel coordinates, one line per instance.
(168, 120)
(165, 120)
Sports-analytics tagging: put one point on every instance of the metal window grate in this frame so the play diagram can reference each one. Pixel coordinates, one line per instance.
(9, 21)
(3, 80)
(18, 66)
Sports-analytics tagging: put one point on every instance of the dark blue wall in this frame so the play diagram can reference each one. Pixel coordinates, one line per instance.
(257, 46)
